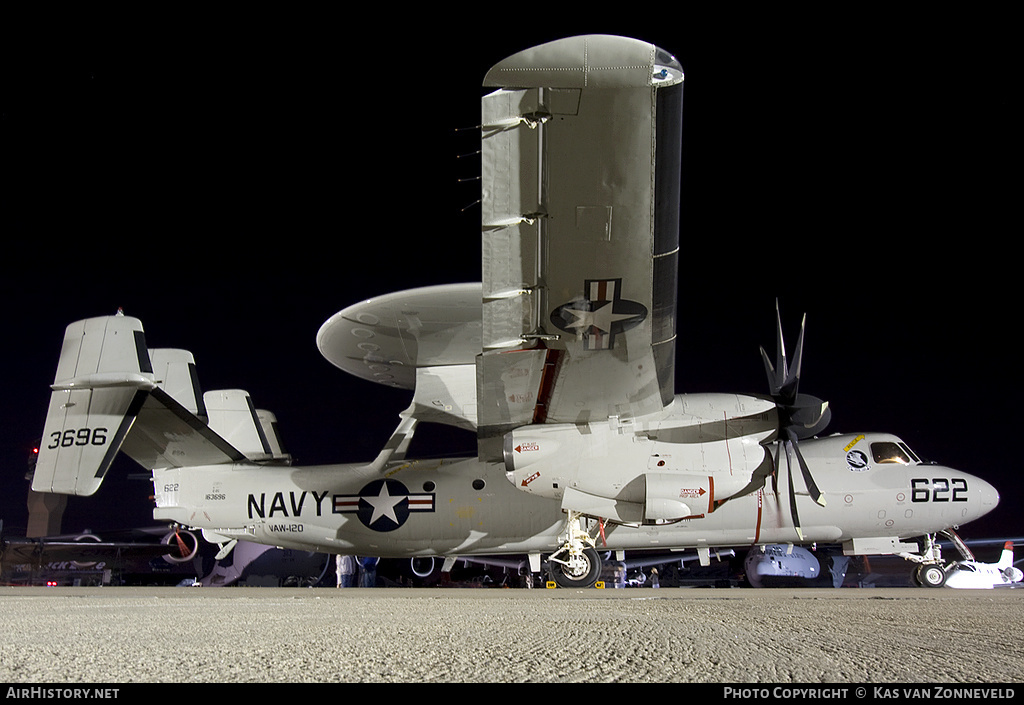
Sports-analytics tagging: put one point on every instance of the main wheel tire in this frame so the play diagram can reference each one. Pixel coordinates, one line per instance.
(585, 575)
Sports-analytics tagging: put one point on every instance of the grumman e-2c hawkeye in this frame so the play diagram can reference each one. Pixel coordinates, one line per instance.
(561, 361)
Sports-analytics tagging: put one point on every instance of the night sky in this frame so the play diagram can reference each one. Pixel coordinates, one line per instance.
(233, 182)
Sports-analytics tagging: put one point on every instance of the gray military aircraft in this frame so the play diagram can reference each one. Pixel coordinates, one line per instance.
(561, 361)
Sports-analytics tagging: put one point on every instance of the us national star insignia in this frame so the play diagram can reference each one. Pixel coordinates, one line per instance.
(599, 315)
(383, 505)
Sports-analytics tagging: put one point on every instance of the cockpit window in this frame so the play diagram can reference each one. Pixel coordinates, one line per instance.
(889, 452)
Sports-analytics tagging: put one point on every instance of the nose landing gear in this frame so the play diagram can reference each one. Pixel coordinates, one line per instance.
(931, 569)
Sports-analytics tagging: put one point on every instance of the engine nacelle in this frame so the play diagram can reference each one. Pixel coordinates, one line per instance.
(657, 469)
(672, 496)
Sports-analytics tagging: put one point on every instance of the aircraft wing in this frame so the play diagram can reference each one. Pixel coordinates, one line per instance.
(580, 231)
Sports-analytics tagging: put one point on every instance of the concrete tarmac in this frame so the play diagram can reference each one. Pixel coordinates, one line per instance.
(194, 635)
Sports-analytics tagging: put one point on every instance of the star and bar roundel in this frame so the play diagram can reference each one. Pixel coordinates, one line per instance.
(600, 314)
(383, 505)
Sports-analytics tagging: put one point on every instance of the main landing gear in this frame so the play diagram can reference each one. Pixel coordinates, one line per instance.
(577, 563)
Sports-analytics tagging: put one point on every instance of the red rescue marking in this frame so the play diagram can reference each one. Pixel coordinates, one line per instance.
(526, 482)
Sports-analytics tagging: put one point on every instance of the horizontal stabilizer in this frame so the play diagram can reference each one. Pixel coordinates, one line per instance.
(165, 434)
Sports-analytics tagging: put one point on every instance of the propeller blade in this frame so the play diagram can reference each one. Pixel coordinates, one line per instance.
(769, 370)
(778, 372)
(783, 378)
(812, 486)
(806, 414)
(792, 496)
(775, 475)
(792, 383)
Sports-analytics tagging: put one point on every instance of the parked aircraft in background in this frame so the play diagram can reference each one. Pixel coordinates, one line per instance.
(794, 566)
(258, 565)
(972, 574)
(158, 556)
(787, 565)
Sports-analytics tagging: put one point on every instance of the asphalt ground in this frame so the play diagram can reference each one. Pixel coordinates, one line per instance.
(116, 635)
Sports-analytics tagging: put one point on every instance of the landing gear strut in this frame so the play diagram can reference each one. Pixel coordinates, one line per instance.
(931, 571)
(577, 563)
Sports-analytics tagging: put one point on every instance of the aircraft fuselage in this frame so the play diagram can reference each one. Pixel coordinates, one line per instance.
(466, 507)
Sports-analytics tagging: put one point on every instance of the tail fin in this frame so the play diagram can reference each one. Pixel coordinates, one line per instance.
(103, 375)
(268, 421)
(1006, 558)
(112, 394)
(254, 432)
(175, 372)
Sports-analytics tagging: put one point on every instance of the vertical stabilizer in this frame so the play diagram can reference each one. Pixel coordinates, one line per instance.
(236, 420)
(103, 374)
(1006, 558)
(272, 432)
(175, 372)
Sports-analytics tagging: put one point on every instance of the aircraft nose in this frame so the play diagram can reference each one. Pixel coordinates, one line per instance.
(983, 499)
(987, 495)
(956, 496)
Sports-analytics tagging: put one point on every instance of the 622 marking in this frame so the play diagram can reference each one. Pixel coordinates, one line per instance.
(938, 490)
(78, 437)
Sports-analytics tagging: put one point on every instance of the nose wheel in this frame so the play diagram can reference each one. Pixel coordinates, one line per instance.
(930, 575)
(577, 564)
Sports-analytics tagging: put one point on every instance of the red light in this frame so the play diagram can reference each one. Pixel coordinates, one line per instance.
(51, 583)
